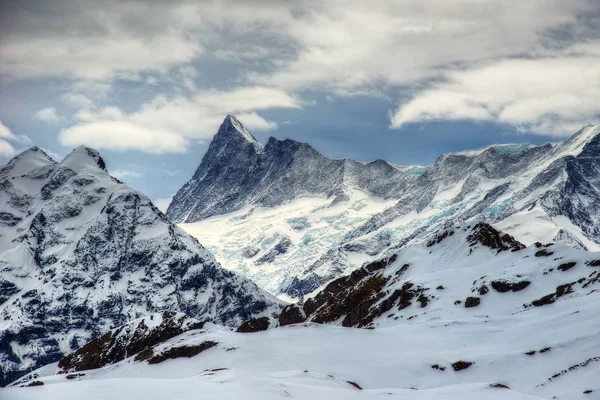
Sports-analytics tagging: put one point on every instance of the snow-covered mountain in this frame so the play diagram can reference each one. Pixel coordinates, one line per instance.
(470, 313)
(456, 269)
(291, 219)
(81, 253)
(237, 171)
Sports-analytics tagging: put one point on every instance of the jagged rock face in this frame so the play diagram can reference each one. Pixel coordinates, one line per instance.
(578, 197)
(568, 239)
(486, 235)
(254, 325)
(237, 171)
(81, 253)
(452, 169)
(548, 193)
(358, 299)
(444, 300)
(291, 314)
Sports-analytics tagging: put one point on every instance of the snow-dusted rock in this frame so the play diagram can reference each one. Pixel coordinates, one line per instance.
(128, 340)
(472, 266)
(333, 215)
(237, 171)
(425, 343)
(81, 253)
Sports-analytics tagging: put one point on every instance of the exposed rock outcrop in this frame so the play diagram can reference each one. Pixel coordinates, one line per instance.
(128, 340)
(291, 314)
(255, 325)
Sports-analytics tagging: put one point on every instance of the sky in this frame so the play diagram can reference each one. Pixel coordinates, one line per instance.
(147, 83)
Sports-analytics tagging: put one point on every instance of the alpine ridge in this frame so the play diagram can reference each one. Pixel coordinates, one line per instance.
(81, 253)
(237, 171)
(292, 219)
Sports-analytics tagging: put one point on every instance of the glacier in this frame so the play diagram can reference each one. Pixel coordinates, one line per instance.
(245, 202)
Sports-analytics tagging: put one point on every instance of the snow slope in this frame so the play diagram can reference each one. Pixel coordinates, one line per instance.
(436, 279)
(314, 218)
(271, 245)
(81, 252)
(544, 351)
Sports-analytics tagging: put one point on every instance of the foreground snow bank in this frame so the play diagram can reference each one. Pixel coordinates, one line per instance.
(310, 361)
(258, 388)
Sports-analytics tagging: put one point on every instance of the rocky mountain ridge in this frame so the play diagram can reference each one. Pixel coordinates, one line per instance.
(237, 171)
(313, 219)
(81, 253)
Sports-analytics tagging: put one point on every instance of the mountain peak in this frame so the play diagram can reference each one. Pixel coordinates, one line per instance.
(27, 160)
(34, 152)
(575, 144)
(232, 126)
(84, 156)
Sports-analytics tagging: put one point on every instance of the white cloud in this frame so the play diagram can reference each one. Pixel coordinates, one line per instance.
(349, 46)
(163, 203)
(96, 89)
(124, 174)
(548, 95)
(106, 113)
(188, 77)
(47, 114)
(6, 149)
(122, 135)
(340, 46)
(334, 44)
(96, 59)
(6, 133)
(168, 125)
(98, 42)
(8, 139)
(78, 100)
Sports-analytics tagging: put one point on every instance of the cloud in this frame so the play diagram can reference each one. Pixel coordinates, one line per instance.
(163, 203)
(423, 49)
(169, 125)
(6, 137)
(6, 149)
(6, 133)
(110, 113)
(547, 95)
(47, 114)
(334, 44)
(124, 174)
(78, 100)
(93, 41)
(345, 47)
(188, 76)
(123, 135)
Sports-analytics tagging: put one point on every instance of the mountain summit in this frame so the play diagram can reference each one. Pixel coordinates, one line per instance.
(231, 126)
(237, 171)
